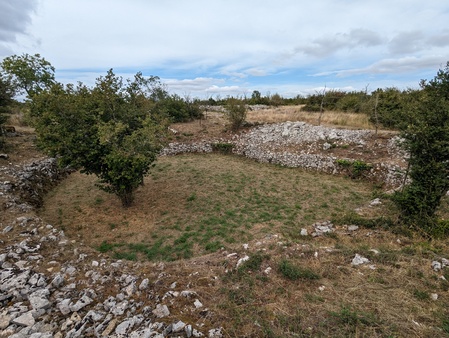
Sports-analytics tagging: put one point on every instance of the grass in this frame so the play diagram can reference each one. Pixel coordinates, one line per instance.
(294, 272)
(294, 113)
(197, 204)
(194, 210)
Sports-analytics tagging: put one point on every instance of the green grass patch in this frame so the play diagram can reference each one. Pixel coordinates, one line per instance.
(295, 272)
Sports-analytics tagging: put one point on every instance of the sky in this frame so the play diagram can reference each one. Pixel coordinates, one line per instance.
(219, 48)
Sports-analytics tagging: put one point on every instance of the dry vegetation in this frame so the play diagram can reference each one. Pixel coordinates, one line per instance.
(197, 209)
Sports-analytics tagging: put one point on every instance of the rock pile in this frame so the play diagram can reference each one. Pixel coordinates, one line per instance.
(51, 286)
(301, 145)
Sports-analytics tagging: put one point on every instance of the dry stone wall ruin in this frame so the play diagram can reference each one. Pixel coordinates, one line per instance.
(53, 286)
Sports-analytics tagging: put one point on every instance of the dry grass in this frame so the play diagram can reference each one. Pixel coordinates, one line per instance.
(294, 113)
(392, 299)
(226, 201)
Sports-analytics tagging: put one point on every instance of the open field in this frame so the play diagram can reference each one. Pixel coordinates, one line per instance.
(208, 211)
(195, 204)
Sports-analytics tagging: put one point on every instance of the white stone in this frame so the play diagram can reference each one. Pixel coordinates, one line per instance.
(375, 202)
(434, 296)
(242, 260)
(124, 327)
(178, 326)
(144, 284)
(197, 304)
(436, 266)
(304, 232)
(26, 319)
(161, 311)
(359, 260)
(84, 301)
(38, 299)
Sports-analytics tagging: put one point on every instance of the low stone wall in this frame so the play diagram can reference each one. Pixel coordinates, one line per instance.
(266, 144)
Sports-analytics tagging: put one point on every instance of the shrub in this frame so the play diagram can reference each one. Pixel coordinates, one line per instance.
(225, 148)
(426, 138)
(236, 113)
(356, 168)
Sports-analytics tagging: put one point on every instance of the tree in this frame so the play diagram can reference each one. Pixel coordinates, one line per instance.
(29, 73)
(106, 130)
(6, 95)
(426, 137)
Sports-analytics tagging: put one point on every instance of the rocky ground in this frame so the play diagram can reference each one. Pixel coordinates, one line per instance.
(52, 286)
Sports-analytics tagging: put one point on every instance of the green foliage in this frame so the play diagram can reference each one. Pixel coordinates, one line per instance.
(356, 168)
(426, 138)
(29, 73)
(236, 113)
(353, 318)
(254, 263)
(390, 107)
(105, 131)
(293, 272)
(225, 148)
(177, 109)
(6, 94)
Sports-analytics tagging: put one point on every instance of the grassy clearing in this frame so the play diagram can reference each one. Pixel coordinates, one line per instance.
(291, 285)
(196, 204)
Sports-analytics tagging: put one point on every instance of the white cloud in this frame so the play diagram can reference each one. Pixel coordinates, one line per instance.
(392, 66)
(266, 44)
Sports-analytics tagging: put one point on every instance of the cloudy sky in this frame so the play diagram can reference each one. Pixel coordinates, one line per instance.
(206, 48)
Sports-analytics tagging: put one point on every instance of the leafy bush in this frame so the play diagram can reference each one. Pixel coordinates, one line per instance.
(356, 168)
(177, 109)
(225, 148)
(426, 138)
(236, 113)
(311, 108)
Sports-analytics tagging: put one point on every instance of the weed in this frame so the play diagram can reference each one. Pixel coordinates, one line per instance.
(445, 325)
(224, 148)
(130, 256)
(98, 201)
(421, 295)
(254, 262)
(293, 272)
(352, 318)
(355, 169)
(105, 247)
(192, 197)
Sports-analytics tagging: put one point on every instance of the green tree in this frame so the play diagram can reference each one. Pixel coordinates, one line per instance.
(178, 109)
(6, 95)
(106, 130)
(28, 73)
(390, 108)
(426, 135)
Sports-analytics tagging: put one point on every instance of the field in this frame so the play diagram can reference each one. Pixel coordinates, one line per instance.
(207, 211)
